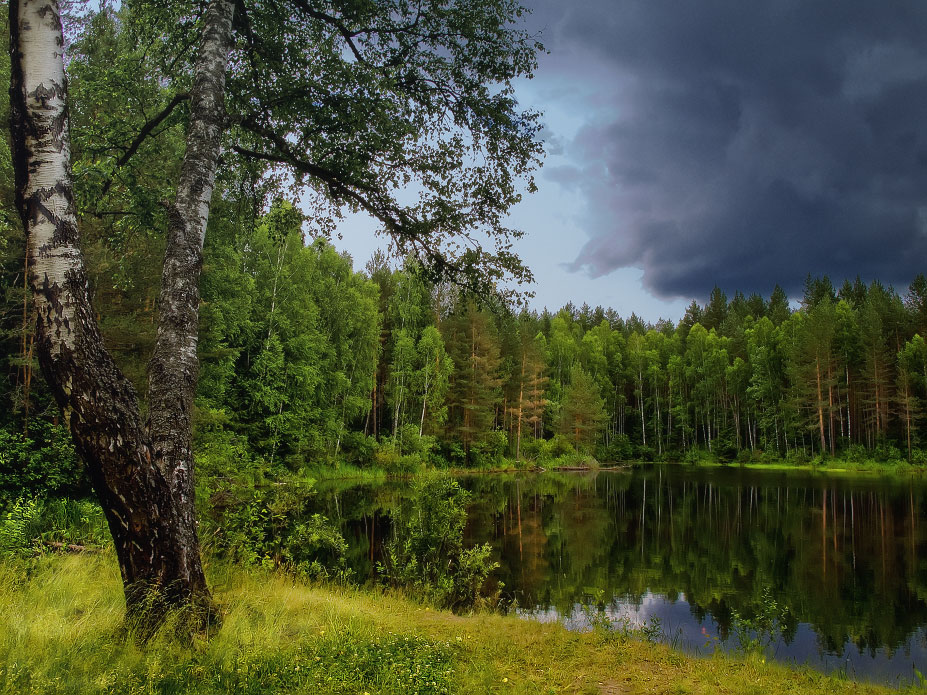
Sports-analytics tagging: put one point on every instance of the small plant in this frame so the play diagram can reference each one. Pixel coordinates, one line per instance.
(652, 630)
(19, 526)
(271, 526)
(754, 634)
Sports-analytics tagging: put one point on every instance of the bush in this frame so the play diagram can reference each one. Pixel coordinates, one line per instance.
(887, 453)
(618, 449)
(558, 446)
(725, 450)
(696, 456)
(358, 448)
(29, 523)
(316, 549)
(425, 552)
(531, 448)
(393, 462)
(488, 451)
(19, 526)
(856, 453)
(43, 463)
(222, 454)
(271, 526)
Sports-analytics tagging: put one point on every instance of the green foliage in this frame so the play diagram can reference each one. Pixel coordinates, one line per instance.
(271, 525)
(582, 413)
(58, 622)
(619, 448)
(756, 632)
(488, 450)
(42, 463)
(425, 552)
(29, 524)
(19, 526)
(295, 371)
(389, 458)
(556, 447)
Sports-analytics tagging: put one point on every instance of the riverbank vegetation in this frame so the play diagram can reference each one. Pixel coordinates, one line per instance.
(61, 616)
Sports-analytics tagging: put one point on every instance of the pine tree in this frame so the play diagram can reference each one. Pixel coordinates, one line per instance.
(582, 414)
(527, 385)
(475, 386)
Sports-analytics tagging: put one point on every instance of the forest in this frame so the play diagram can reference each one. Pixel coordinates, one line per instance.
(309, 364)
(311, 360)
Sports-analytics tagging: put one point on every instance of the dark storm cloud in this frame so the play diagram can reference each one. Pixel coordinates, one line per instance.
(744, 143)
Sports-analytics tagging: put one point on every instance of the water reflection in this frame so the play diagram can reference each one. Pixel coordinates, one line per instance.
(844, 558)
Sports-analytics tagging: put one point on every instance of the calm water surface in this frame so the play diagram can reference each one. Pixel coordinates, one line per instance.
(844, 559)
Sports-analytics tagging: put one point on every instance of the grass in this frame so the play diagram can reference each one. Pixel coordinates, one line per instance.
(830, 466)
(60, 620)
(341, 470)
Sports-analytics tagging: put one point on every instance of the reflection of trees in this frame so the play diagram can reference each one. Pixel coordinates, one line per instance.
(837, 556)
(847, 557)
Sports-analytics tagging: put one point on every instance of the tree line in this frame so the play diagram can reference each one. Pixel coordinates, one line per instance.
(416, 368)
(307, 361)
(413, 368)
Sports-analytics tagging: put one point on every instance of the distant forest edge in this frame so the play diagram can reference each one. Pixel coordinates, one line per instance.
(307, 363)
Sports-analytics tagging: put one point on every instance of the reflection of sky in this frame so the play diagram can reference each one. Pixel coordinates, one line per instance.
(684, 631)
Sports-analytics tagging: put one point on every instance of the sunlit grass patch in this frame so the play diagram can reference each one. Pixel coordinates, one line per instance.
(61, 632)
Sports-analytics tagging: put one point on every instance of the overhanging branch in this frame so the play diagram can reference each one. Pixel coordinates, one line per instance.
(143, 134)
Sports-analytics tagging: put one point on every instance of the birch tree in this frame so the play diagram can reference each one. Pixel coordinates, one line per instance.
(141, 470)
(358, 102)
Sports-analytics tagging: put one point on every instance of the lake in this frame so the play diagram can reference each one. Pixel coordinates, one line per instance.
(698, 555)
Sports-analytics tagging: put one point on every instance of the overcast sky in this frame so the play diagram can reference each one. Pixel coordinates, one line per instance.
(738, 144)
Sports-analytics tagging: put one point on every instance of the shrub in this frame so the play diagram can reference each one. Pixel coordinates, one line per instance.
(531, 448)
(556, 447)
(489, 449)
(725, 449)
(19, 526)
(887, 453)
(316, 549)
(618, 449)
(42, 463)
(696, 456)
(426, 553)
(358, 448)
(271, 526)
(29, 522)
(393, 462)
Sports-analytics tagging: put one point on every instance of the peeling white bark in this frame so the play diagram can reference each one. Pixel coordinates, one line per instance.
(51, 254)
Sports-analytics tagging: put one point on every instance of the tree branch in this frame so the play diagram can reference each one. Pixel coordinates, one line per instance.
(346, 34)
(143, 134)
(396, 221)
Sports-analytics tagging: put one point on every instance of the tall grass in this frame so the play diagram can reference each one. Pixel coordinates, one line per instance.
(61, 632)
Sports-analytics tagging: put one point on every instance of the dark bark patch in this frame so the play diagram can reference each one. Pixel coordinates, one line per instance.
(44, 94)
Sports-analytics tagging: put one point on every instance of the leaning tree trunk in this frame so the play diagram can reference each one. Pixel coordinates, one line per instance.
(173, 369)
(142, 476)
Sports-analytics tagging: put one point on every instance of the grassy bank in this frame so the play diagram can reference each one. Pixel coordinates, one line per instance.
(60, 621)
(830, 466)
